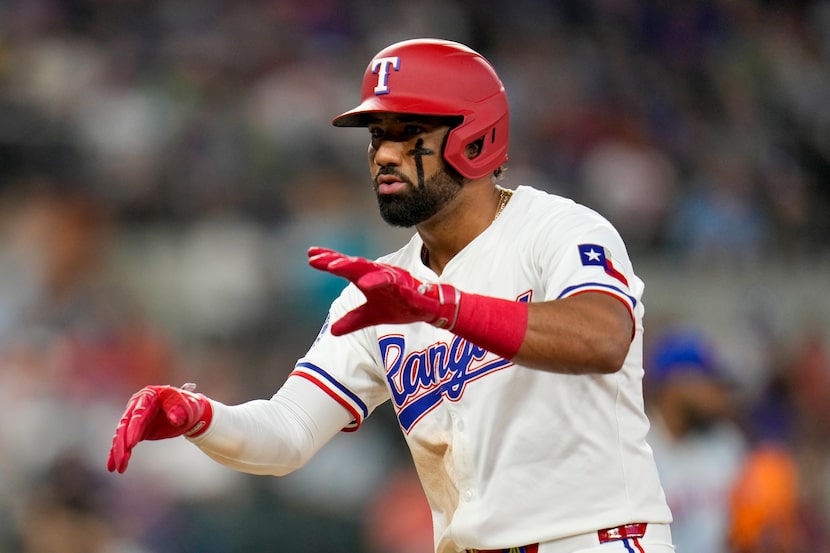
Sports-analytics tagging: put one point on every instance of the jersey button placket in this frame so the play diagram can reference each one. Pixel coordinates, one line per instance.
(457, 422)
(465, 480)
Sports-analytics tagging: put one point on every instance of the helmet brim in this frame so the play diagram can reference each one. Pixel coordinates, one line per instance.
(364, 114)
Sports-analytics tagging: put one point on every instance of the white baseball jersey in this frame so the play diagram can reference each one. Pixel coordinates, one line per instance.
(508, 455)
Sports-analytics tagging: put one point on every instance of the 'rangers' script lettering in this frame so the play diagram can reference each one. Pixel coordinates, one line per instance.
(420, 380)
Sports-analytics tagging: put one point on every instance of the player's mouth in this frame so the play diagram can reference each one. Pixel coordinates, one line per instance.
(389, 184)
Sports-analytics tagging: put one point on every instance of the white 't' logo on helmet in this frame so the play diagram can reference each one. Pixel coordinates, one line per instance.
(381, 67)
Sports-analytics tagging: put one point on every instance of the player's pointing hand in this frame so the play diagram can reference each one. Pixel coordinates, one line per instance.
(393, 295)
(156, 413)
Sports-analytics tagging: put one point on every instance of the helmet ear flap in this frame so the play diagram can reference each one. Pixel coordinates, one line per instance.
(492, 149)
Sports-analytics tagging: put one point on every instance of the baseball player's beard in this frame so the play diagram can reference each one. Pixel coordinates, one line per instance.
(416, 204)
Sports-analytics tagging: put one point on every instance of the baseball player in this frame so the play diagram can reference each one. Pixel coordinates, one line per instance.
(507, 335)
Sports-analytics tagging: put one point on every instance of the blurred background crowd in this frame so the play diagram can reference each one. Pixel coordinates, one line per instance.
(165, 165)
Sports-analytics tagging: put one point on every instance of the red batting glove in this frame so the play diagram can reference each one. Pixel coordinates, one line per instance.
(156, 413)
(393, 295)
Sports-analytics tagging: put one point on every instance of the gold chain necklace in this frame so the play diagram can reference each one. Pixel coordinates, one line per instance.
(504, 197)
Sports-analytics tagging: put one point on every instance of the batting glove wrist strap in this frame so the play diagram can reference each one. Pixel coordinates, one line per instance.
(448, 299)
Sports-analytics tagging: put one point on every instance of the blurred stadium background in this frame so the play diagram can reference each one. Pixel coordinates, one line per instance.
(165, 165)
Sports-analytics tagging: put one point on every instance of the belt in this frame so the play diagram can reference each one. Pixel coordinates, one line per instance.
(532, 548)
(633, 530)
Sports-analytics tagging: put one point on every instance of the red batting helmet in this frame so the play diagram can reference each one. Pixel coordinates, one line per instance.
(440, 77)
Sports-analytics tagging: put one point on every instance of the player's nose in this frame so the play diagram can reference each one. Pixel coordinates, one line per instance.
(388, 153)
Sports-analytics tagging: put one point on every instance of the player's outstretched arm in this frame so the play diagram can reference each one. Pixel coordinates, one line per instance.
(265, 436)
(584, 334)
(589, 333)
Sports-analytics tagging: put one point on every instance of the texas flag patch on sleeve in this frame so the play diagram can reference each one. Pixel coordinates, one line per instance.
(593, 254)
